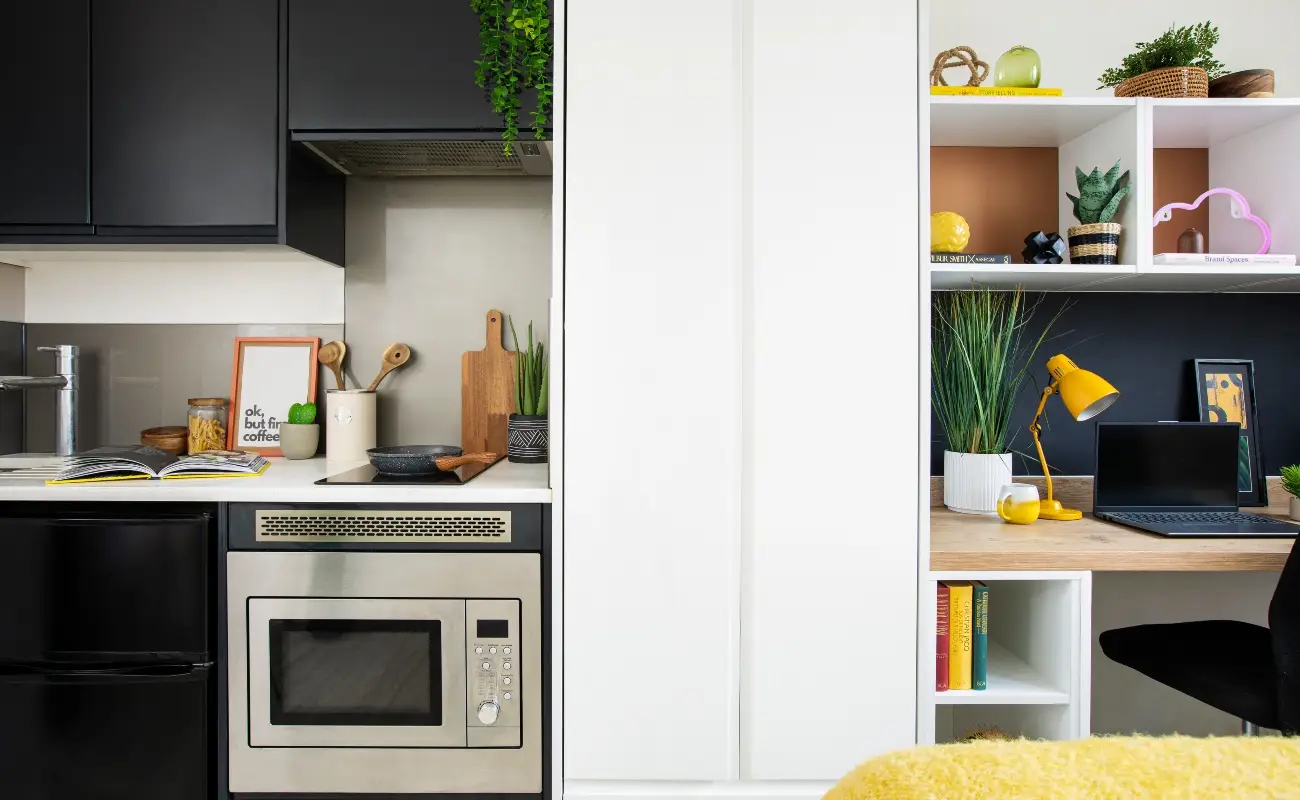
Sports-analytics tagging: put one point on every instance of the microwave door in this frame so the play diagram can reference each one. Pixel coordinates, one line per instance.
(356, 672)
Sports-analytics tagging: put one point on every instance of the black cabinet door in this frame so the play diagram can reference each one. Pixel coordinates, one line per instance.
(45, 125)
(385, 65)
(185, 113)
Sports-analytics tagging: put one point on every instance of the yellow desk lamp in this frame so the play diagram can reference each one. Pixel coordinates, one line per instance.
(1085, 395)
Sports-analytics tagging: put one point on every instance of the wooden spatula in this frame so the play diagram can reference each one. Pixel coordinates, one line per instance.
(395, 356)
(332, 355)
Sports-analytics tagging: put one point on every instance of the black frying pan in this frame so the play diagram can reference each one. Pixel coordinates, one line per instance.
(423, 459)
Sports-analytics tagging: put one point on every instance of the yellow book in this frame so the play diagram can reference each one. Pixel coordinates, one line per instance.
(993, 91)
(960, 627)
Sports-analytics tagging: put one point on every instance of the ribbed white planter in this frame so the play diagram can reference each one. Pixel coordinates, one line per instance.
(1295, 508)
(971, 481)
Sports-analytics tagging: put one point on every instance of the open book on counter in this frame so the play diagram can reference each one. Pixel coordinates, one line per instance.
(140, 462)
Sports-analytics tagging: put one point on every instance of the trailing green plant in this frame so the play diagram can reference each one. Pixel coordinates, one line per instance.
(979, 358)
(1099, 195)
(1291, 479)
(1176, 47)
(302, 413)
(531, 376)
(516, 49)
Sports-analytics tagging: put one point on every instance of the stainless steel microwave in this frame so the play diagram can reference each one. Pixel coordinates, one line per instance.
(385, 672)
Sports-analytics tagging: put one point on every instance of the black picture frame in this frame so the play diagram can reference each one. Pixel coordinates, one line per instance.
(1233, 379)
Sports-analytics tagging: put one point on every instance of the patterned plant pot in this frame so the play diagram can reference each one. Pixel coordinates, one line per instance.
(530, 438)
(1094, 244)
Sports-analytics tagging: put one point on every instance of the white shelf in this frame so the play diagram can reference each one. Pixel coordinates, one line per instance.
(964, 121)
(1210, 122)
(1011, 682)
(1270, 278)
(1032, 277)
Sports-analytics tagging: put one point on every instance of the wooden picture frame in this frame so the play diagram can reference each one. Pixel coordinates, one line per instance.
(1225, 392)
(270, 374)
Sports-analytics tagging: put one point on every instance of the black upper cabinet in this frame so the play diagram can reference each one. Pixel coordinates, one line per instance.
(386, 65)
(45, 132)
(185, 115)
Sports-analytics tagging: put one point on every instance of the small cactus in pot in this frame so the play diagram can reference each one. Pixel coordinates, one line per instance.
(1095, 240)
(300, 435)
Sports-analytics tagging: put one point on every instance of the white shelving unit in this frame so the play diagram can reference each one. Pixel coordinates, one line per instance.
(1011, 682)
(1250, 143)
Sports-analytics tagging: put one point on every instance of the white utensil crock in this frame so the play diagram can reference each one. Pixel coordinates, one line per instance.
(350, 425)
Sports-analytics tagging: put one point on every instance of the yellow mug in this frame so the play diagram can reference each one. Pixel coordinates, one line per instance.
(1018, 503)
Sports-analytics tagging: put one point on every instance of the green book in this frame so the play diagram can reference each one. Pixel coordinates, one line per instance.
(979, 656)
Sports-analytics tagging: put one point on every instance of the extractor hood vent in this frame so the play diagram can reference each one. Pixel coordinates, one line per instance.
(412, 159)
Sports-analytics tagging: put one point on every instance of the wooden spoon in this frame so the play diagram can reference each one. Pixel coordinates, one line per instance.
(395, 356)
(331, 355)
(448, 463)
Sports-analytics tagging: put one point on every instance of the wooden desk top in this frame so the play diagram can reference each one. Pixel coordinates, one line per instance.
(968, 542)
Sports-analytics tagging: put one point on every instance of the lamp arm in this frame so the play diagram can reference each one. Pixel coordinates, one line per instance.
(1035, 429)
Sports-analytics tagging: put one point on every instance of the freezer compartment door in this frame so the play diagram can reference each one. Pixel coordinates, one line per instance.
(105, 589)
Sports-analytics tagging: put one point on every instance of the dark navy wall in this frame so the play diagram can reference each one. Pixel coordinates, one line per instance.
(1143, 344)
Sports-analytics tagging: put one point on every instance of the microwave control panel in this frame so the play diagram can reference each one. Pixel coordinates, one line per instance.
(493, 670)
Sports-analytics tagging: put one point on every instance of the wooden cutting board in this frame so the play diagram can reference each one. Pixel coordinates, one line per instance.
(487, 392)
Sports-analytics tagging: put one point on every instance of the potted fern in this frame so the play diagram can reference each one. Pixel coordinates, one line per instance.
(1095, 240)
(529, 435)
(1178, 63)
(980, 357)
(1291, 482)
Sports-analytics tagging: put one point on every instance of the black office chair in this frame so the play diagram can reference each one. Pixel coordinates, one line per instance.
(1242, 669)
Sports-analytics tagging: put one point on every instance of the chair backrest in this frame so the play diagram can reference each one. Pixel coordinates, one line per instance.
(1284, 626)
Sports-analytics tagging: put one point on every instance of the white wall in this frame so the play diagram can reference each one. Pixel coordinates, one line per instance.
(1078, 41)
(12, 280)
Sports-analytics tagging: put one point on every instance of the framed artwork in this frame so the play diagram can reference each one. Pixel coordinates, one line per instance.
(269, 376)
(1225, 392)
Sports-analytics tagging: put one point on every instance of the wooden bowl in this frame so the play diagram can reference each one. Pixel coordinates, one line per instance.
(170, 438)
(1247, 83)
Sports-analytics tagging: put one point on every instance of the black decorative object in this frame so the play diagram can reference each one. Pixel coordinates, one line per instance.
(529, 439)
(1044, 248)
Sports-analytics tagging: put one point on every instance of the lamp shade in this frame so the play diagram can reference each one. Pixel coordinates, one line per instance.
(1085, 394)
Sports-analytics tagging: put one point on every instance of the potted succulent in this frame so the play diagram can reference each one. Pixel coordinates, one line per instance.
(980, 355)
(1095, 240)
(300, 436)
(529, 436)
(1291, 482)
(1178, 63)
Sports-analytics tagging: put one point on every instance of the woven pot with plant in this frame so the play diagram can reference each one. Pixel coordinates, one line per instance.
(1095, 240)
(1179, 63)
(529, 433)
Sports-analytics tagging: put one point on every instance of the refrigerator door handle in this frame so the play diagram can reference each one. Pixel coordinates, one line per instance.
(159, 673)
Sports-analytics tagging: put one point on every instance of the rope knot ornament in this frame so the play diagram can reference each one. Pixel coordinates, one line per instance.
(962, 56)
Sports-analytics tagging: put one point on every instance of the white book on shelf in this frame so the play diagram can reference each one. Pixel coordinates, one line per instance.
(1222, 259)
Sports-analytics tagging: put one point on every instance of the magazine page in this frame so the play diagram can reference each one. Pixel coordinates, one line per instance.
(125, 461)
(217, 463)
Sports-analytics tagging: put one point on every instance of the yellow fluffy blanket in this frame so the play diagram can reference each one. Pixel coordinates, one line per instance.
(1102, 768)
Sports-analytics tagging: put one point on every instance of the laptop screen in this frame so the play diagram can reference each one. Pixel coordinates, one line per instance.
(1188, 464)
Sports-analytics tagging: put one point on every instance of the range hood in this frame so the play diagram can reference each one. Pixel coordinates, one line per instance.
(383, 157)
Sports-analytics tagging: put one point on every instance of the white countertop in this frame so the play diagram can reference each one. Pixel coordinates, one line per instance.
(284, 482)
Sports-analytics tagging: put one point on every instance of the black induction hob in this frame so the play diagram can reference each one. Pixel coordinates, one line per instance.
(367, 475)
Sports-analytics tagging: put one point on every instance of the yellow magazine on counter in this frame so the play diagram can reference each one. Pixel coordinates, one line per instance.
(992, 91)
(960, 628)
(140, 463)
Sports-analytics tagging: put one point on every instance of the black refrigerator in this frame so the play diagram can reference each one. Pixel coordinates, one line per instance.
(107, 687)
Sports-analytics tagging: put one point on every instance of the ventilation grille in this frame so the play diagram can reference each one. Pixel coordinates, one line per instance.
(382, 526)
(406, 159)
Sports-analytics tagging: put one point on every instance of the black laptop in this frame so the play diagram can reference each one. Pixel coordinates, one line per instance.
(1174, 479)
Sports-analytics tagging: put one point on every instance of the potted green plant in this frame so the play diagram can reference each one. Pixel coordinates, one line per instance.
(1178, 63)
(980, 356)
(516, 52)
(300, 436)
(1291, 482)
(528, 432)
(1095, 240)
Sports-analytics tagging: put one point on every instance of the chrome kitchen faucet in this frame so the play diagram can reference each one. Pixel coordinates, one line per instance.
(65, 364)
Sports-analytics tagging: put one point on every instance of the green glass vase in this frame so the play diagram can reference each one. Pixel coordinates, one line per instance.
(1019, 67)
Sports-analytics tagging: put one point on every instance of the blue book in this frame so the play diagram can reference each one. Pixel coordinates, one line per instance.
(979, 655)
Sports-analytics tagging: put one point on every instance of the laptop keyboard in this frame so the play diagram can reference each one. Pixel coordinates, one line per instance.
(1193, 518)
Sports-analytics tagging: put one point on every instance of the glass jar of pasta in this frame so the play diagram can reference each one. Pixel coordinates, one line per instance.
(207, 424)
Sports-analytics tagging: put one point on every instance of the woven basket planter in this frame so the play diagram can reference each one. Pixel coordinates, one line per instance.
(1167, 82)
(1094, 244)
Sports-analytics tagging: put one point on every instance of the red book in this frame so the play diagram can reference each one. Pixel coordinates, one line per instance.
(941, 640)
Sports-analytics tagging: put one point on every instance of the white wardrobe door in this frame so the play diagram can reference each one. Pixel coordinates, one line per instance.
(652, 360)
(829, 638)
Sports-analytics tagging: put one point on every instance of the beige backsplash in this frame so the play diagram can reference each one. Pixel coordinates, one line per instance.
(427, 259)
